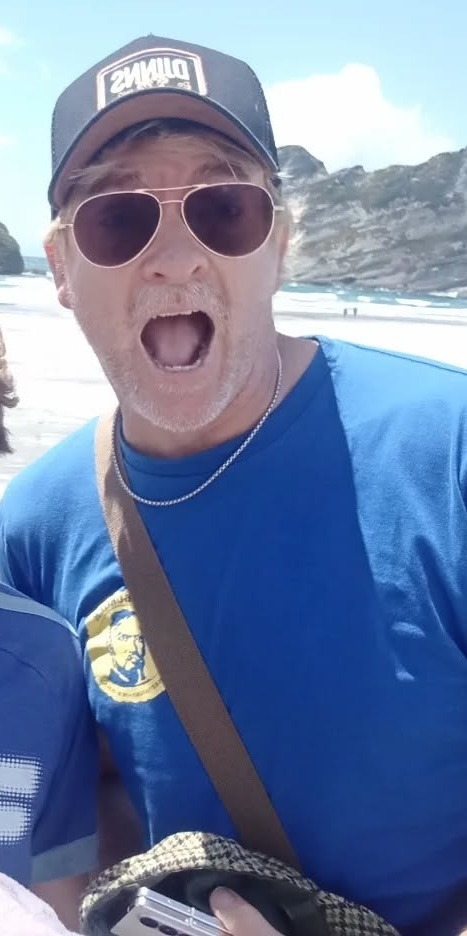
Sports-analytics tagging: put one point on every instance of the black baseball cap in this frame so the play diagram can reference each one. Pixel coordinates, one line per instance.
(152, 78)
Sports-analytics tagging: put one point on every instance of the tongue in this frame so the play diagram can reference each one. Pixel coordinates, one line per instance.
(174, 341)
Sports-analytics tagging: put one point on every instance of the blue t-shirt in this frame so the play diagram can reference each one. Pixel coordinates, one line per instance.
(48, 755)
(324, 577)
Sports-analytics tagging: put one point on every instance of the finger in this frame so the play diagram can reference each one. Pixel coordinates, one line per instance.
(237, 916)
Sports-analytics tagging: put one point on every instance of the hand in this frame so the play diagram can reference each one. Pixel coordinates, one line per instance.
(22, 912)
(237, 916)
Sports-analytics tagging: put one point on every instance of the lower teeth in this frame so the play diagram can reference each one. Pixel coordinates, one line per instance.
(184, 367)
(180, 347)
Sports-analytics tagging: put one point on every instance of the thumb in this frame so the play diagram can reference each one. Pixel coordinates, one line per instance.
(237, 916)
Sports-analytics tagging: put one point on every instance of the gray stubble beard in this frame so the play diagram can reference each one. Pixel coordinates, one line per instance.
(157, 299)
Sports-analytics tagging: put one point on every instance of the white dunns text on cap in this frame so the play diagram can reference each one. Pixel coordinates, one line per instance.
(152, 68)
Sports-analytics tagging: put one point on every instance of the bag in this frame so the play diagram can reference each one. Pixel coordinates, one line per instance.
(264, 868)
(188, 866)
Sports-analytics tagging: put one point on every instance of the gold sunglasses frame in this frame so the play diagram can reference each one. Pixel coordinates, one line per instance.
(190, 189)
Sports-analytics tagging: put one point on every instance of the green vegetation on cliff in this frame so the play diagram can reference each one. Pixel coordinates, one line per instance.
(11, 261)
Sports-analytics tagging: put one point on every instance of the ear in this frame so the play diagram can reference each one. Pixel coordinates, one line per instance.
(58, 271)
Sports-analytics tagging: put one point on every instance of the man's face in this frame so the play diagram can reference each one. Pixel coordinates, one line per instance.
(126, 644)
(140, 319)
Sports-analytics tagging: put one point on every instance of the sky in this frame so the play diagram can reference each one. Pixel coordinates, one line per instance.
(369, 82)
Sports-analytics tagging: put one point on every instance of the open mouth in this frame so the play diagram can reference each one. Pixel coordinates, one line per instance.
(178, 342)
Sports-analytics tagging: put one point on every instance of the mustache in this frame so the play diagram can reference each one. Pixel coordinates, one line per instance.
(151, 301)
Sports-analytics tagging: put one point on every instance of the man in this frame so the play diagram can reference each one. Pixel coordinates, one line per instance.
(259, 464)
(47, 743)
(127, 649)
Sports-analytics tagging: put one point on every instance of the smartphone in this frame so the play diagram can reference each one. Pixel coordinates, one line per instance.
(151, 911)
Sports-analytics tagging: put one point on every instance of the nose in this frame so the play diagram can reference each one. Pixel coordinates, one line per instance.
(174, 256)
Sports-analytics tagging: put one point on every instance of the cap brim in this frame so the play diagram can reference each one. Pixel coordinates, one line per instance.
(150, 105)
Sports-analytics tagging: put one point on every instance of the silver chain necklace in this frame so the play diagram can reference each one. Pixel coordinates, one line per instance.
(201, 487)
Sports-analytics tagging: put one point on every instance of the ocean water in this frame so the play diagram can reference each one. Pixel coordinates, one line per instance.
(61, 384)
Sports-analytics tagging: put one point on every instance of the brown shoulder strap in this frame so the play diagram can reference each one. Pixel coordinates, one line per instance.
(182, 669)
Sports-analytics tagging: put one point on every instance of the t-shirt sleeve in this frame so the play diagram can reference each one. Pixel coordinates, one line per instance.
(13, 547)
(64, 839)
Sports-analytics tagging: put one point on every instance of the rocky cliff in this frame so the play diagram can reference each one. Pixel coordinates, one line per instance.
(404, 227)
(11, 260)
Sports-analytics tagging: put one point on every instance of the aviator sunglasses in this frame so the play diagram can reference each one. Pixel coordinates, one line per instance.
(230, 219)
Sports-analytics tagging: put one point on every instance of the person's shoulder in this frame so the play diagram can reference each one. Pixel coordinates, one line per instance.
(37, 639)
(62, 469)
(22, 623)
(14, 603)
(394, 376)
(60, 461)
(399, 406)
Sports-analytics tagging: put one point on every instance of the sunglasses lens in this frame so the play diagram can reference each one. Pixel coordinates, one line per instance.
(232, 220)
(112, 229)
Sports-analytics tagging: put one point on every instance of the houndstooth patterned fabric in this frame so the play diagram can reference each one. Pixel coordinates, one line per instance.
(115, 887)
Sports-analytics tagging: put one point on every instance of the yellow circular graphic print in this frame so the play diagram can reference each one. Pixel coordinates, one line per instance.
(120, 659)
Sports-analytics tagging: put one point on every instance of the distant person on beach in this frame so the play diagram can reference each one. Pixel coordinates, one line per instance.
(48, 761)
(307, 497)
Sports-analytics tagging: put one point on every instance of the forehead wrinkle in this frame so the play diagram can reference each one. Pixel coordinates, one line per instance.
(119, 178)
(116, 177)
(215, 168)
(109, 179)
